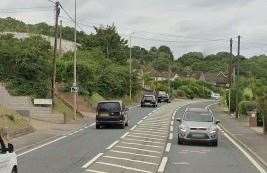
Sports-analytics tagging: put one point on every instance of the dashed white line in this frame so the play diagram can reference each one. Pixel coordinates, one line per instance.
(92, 160)
(139, 149)
(125, 152)
(171, 128)
(123, 136)
(124, 167)
(112, 145)
(91, 124)
(162, 164)
(131, 160)
(172, 123)
(144, 118)
(95, 171)
(168, 147)
(171, 136)
(140, 121)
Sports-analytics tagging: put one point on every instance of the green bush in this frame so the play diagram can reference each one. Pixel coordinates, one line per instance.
(245, 106)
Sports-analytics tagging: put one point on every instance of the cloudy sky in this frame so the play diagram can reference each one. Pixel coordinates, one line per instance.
(184, 25)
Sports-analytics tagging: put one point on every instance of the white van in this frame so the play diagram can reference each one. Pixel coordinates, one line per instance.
(8, 158)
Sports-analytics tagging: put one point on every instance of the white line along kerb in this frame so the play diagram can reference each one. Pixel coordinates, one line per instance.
(92, 160)
(171, 136)
(133, 127)
(140, 121)
(162, 164)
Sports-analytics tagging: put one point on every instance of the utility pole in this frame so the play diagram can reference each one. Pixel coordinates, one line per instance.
(60, 39)
(130, 68)
(169, 75)
(237, 78)
(230, 74)
(75, 92)
(57, 9)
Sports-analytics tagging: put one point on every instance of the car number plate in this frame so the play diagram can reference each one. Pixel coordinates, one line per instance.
(104, 114)
(198, 135)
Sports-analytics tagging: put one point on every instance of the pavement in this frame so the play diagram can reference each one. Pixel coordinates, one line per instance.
(253, 138)
(148, 145)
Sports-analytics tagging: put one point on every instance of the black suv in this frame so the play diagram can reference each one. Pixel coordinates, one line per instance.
(149, 100)
(163, 97)
(111, 113)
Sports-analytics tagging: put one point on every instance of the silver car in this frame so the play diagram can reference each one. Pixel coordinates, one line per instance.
(198, 124)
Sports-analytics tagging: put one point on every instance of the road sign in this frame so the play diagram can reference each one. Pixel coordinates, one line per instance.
(74, 89)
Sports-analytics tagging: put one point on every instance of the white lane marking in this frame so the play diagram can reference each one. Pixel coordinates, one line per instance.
(133, 127)
(144, 118)
(131, 160)
(140, 121)
(133, 143)
(162, 164)
(181, 163)
(139, 149)
(149, 114)
(41, 146)
(146, 141)
(144, 134)
(168, 147)
(171, 128)
(149, 131)
(125, 152)
(171, 136)
(92, 160)
(94, 171)
(112, 145)
(123, 167)
(91, 124)
(135, 136)
(251, 159)
(172, 123)
(125, 134)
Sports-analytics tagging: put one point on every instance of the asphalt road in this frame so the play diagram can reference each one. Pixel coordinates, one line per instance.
(148, 145)
(201, 158)
(69, 152)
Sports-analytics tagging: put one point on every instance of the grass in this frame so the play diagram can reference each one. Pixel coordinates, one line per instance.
(11, 120)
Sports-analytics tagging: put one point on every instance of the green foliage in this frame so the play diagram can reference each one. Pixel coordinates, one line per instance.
(25, 65)
(245, 106)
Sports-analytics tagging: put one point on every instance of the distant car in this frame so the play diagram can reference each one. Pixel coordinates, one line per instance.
(111, 113)
(149, 100)
(8, 158)
(198, 124)
(215, 96)
(163, 97)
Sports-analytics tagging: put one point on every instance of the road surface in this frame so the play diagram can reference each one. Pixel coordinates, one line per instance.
(148, 145)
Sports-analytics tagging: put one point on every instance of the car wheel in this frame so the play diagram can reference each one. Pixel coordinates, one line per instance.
(215, 143)
(97, 126)
(122, 126)
(180, 142)
(14, 170)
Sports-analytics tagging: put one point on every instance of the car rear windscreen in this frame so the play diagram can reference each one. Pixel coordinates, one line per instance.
(109, 107)
(149, 98)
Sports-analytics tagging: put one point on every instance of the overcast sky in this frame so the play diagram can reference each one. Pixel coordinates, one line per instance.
(184, 25)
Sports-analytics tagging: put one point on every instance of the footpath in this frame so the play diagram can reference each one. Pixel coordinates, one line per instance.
(253, 140)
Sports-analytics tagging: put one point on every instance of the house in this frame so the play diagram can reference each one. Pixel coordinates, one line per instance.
(217, 79)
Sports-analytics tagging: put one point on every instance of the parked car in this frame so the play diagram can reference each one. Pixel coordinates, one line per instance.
(198, 124)
(215, 96)
(149, 100)
(8, 158)
(111, 112)
(163, 97)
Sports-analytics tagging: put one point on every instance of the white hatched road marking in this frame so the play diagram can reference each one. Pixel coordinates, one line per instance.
(156, 127)
(124, 167)
(135, 136)
(168, 147)
(112, 145)
(163, 123)
(95, 171)
(125, 152)
(133, 143)
(171, 136)
(140, 121)
(131, 160)
(144, 134)
(133, 127)
(123, 136)
(148, 131)
(139, 140)
(92, 160)
(162, 164)
(140, 149)
(144, 118)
